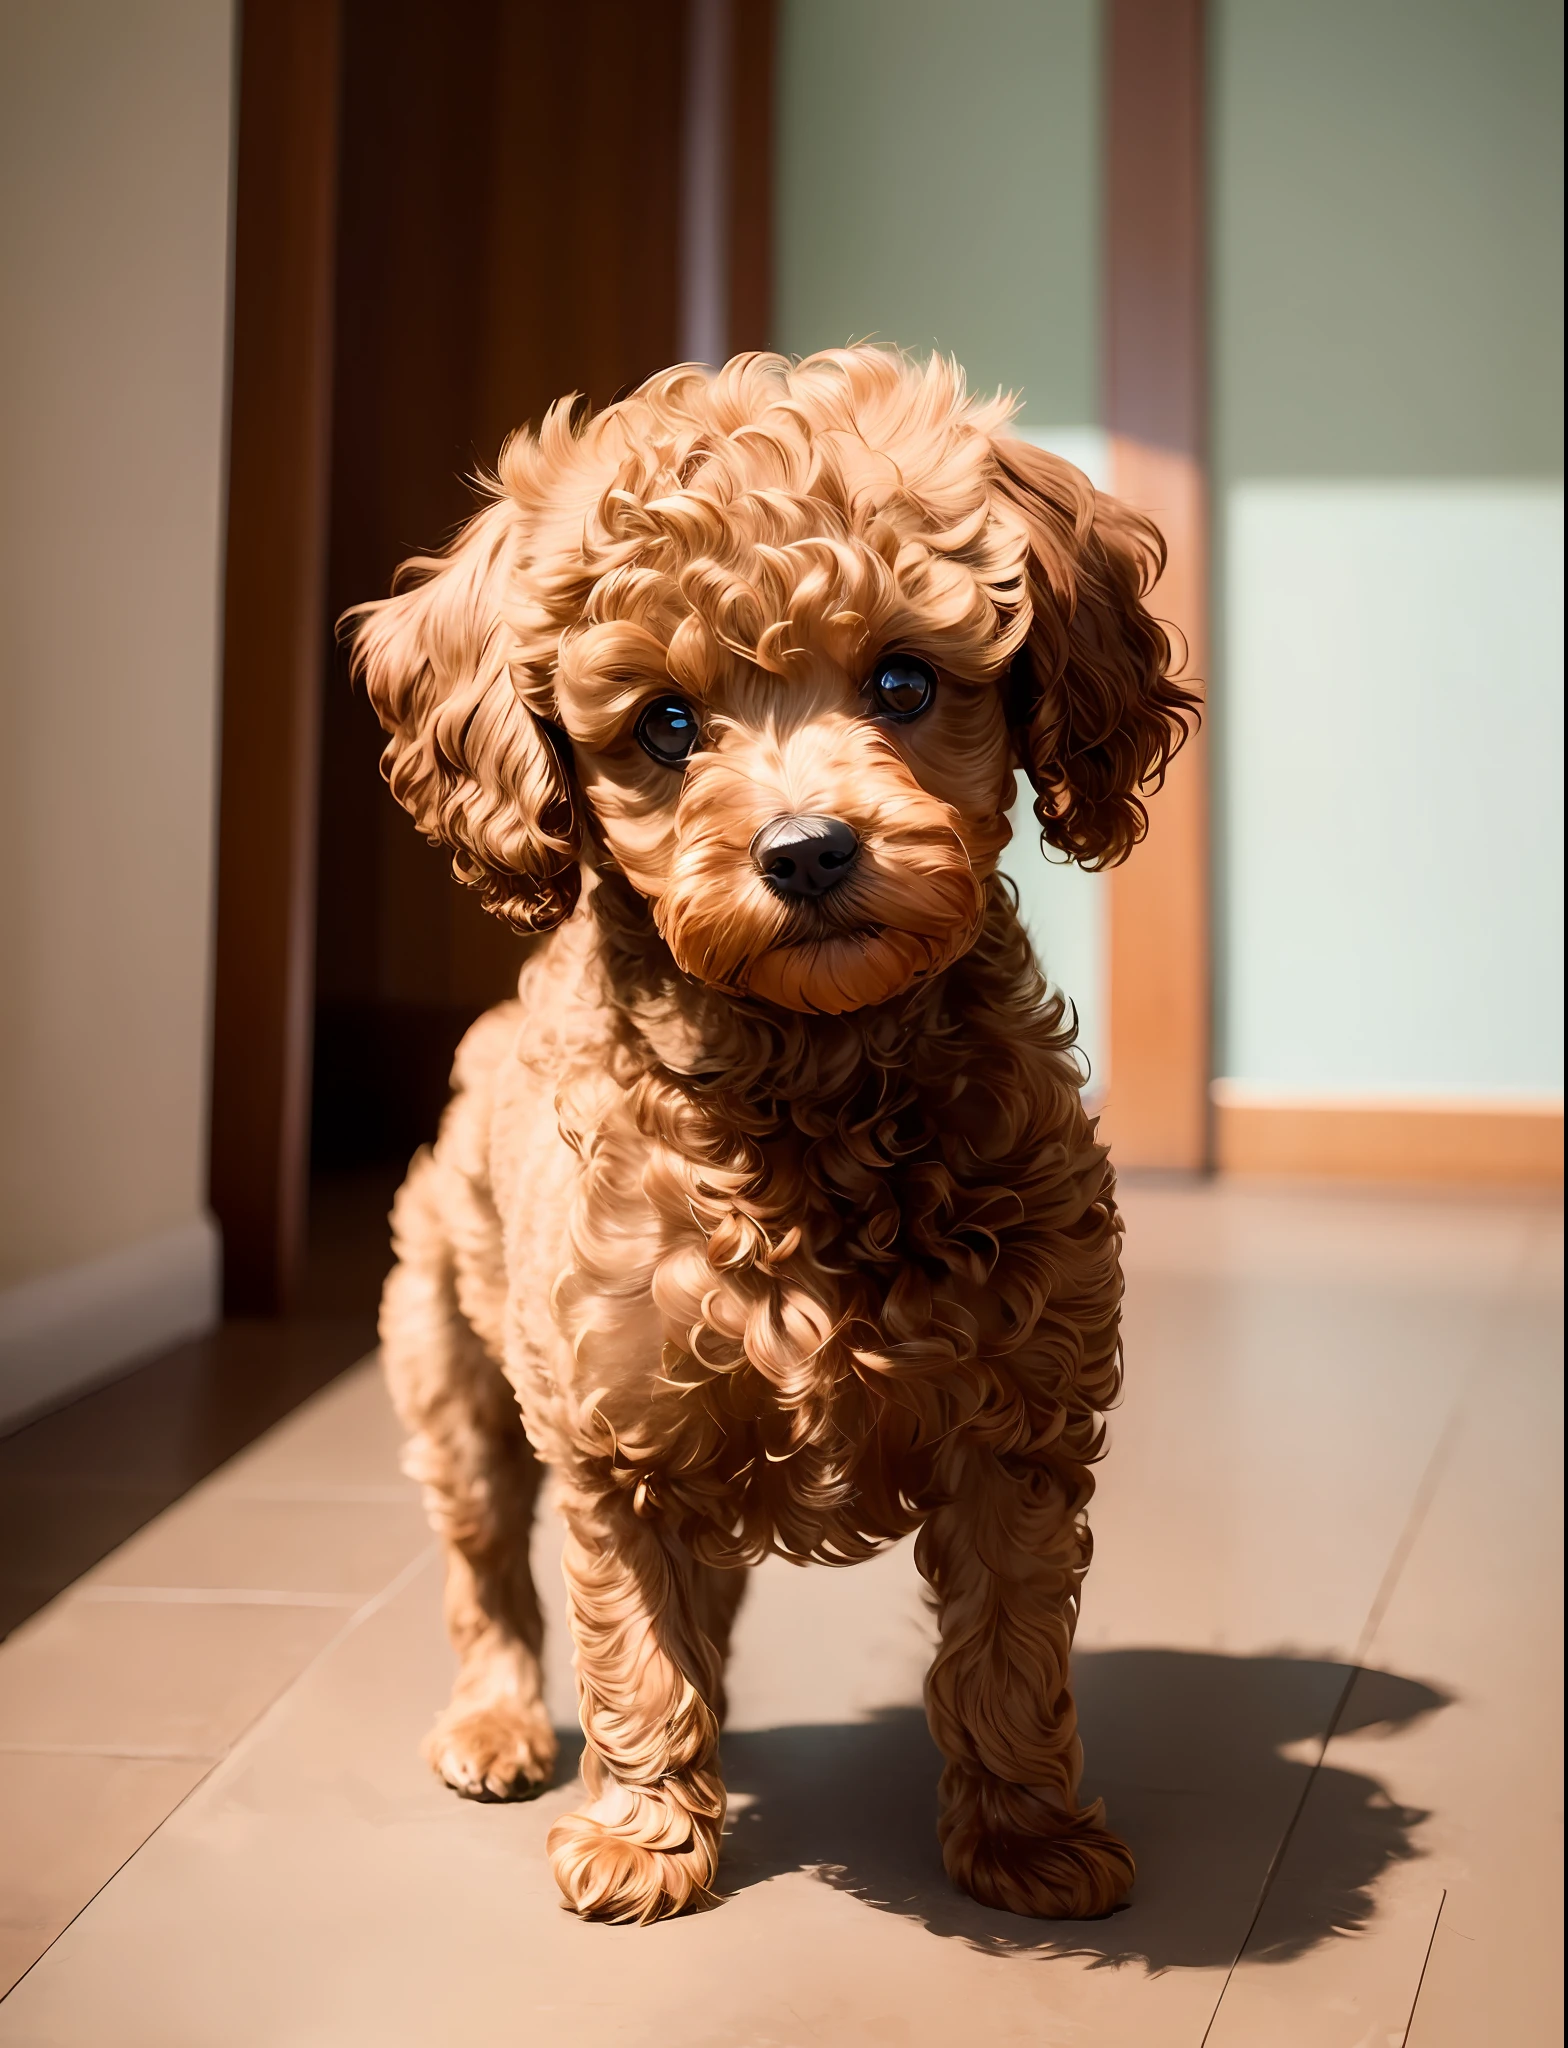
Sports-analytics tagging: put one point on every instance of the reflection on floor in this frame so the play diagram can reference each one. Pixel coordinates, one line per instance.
(1319, 1672)
(77, 1482)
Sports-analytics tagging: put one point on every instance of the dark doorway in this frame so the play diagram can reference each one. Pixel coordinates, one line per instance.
(508, 230)
(506, 201)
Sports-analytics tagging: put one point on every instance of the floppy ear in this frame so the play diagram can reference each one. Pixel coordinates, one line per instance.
(466, 756)
(1097, 713)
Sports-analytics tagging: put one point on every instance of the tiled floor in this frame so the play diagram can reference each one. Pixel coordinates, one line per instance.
(1320, 1672)
(75, 1483)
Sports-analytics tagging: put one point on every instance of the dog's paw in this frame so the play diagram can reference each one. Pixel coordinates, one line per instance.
(635, 1855)
(1081, 1875)
(496, 1751)
(1062, 1867)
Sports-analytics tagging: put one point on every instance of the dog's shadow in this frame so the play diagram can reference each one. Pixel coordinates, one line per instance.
(1187, 1748)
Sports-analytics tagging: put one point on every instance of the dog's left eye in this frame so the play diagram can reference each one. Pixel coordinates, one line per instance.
(668, 730)
(902, 686)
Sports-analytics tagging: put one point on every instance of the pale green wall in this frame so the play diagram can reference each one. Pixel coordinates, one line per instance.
(1388, 419)
(1386, 235)
(1387, 254)
(938, 188)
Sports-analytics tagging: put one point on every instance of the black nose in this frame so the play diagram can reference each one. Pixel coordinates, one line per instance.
(805, 856)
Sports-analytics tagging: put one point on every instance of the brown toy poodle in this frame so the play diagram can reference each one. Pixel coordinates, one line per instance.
(768, 1215)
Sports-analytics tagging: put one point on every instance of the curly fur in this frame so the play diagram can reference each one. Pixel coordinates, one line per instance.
(779, 1224)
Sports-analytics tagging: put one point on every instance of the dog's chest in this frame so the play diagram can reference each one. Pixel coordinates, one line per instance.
(791, 1259)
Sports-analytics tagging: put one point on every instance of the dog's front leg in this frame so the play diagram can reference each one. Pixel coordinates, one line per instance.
(650, 1681)
(481, 1479)
(1005, 1552)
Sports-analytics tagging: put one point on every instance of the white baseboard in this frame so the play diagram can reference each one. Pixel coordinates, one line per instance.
(61, 1334)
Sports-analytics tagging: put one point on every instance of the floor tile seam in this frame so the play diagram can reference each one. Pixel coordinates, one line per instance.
(241, 1742)
(1276, 1861)
(319, 1496)
(1420, 1507)
(211, 1596)
(1434, 1283)
(1437, 1467)
(1426, 1964)
(110, 1488)
(1426, 1492)
(211, 1763)
(174, 1491)
(360, 1610)
(123, 1752)
(353, 1620)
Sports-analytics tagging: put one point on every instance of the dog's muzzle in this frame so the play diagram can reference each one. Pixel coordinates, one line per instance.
(804, 856)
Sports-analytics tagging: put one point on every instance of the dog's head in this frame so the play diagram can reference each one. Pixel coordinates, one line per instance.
(772, 644)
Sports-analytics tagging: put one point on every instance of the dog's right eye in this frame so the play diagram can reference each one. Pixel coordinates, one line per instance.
(902, 686)
(668, 730)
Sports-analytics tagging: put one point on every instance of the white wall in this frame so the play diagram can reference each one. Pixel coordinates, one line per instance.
(114, 247)
(1395, 734)
(938, 188)
(1388, 424)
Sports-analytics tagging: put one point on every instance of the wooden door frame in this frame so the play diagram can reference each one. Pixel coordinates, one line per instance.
(273, 652)
(1156, 414)
(727, 178)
